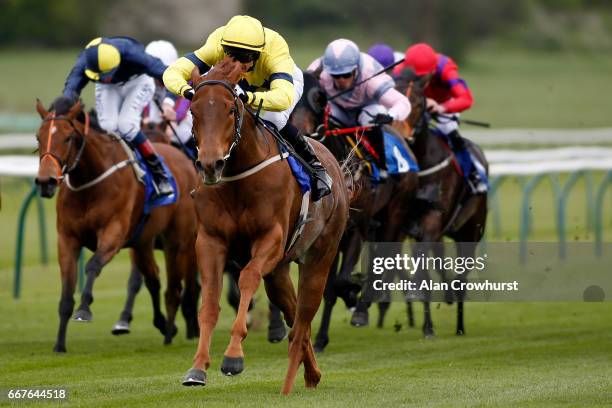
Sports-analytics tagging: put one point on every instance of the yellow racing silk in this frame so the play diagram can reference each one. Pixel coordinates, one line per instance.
(270, 80)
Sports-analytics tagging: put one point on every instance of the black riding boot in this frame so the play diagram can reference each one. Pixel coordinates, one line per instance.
(377, 139)
(148, 153)
(321, 182)
(475, 182)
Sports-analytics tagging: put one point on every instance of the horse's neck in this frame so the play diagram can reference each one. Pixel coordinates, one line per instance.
(427, 149)
(255, 146)
(99, 154)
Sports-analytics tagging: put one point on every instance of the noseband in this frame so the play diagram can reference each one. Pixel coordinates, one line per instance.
(238, 114)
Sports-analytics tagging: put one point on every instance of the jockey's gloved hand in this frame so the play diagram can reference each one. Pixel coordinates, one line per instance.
(382, 119)
(189, 93)
(241, 94)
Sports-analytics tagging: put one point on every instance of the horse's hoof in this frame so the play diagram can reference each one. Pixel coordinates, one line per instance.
(194, 376)
(159, 323)
(319, 346)
(460, 332)
(360, 319)
(121, 327)
(277, 334)
(82, 316)
(232, 365)
(429, 333)
(59, 349)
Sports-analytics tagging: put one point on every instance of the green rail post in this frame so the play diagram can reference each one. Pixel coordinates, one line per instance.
(590, 203)
(561, 206)
(601, 194)
(20, 238)
(526, 224)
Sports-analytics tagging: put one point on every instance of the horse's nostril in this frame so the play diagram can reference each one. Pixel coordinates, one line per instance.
(219, 164)
(199, 165)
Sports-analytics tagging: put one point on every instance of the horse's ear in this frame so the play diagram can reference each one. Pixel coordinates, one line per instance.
(41, 109)
(195, 76)
(75, 110)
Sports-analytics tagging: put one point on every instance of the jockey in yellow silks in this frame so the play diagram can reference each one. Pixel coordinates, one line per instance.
(270, 77)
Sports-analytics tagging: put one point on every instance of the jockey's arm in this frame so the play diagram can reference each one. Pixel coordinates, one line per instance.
(76, 80)
(461, 95)
(397, 104)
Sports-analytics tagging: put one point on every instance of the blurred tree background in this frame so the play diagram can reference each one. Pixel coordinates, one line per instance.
(450, 25)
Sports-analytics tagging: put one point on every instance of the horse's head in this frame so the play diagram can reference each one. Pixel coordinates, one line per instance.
(217, 117)
(58, 142)
(308, 112)
(413, 86)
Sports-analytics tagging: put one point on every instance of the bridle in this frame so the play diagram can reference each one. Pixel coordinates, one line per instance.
(62, 164)
(238, 114)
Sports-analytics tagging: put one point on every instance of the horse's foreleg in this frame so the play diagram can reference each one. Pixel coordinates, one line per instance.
(189, 300)
(211, 254)
(266, 252)
(68, 251)
(329, 300)
(109, 243)
(133, 287)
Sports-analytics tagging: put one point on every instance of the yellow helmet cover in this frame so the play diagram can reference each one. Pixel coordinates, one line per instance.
(244, 32)
(101, 58)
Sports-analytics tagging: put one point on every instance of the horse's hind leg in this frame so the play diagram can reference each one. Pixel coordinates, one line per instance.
(122, 326)
(108, 245)
(68, 250)
(276, 326)
(329, 300)
(145, 262)
(282, 297)
(313, 276)
(177, 264)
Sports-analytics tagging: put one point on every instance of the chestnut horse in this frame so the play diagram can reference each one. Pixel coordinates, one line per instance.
(248, 204)
(99, 207)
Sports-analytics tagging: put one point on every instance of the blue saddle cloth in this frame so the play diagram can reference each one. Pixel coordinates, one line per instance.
(301, 175)
(397, 158)
(151, 201)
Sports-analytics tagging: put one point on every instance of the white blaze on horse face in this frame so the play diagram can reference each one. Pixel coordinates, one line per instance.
(53, 130)
(211, 101)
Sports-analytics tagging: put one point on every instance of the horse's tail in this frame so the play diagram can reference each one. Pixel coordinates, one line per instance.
(353, 187)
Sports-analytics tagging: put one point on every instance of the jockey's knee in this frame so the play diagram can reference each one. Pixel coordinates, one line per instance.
(110, 125)
(128, 128)
(278, 119)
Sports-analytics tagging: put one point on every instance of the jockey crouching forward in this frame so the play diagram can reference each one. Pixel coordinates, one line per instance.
(175, 110)
(124, 74)
(269, 76)
(447, 95)
(372, 102)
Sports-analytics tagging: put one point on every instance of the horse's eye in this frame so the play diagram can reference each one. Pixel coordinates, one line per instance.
(233, 110)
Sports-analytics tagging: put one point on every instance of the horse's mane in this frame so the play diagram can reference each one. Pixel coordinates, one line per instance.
(228, 69)
(62, 104)
(405, 77)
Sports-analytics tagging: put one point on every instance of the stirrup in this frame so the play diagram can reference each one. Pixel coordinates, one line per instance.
(321, 184)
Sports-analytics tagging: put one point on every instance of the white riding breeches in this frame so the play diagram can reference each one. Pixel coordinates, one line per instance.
(279, 119)
(120, 106)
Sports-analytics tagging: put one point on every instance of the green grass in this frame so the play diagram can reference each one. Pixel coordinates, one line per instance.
(514, 354)
(512, 88)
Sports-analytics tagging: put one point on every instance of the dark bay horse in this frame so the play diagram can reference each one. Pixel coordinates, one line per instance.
(375, 214)
(248, 204)
(444, 206)
(99, 207)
